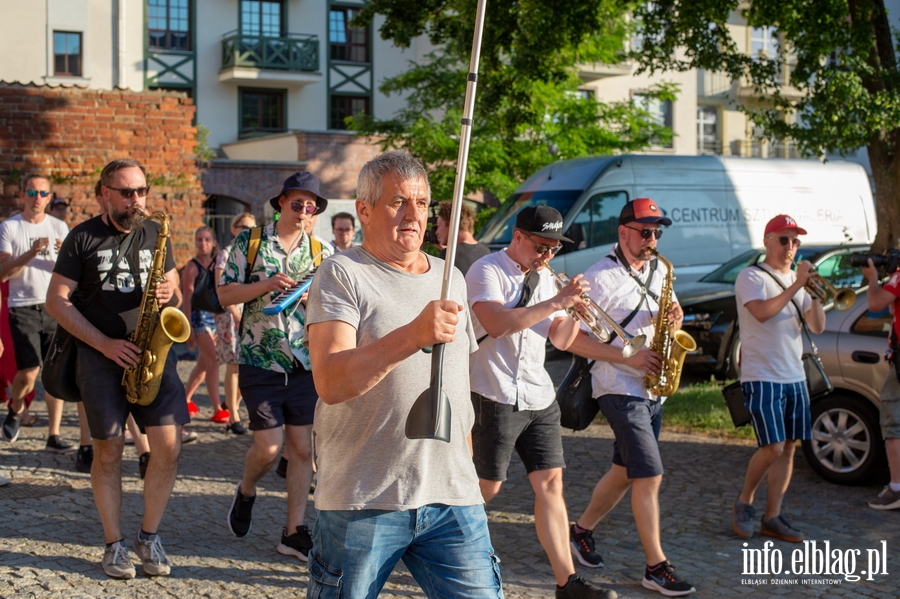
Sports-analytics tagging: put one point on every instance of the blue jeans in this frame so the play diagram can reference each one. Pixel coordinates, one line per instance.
(446, 548)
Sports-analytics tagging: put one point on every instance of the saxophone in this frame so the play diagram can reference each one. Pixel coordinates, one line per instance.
(670, 344)
(156, 329)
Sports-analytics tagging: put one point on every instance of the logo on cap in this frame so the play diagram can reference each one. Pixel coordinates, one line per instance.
(555, 226)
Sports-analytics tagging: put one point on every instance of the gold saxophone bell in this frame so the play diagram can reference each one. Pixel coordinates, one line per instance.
(821, 288)
(596, 320)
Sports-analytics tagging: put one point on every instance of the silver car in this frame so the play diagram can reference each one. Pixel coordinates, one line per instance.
(846, 445)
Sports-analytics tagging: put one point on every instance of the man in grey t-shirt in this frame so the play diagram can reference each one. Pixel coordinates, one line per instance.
(380, 496)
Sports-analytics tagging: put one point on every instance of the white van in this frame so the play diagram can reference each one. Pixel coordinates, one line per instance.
(719, 206)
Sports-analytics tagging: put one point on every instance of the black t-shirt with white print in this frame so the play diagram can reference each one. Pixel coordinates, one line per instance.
(87, 255)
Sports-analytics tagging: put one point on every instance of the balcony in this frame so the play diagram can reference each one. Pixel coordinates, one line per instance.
(290, 59)
(592, 71)
(762, 148)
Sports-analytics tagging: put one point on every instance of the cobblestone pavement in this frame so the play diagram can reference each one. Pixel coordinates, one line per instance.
(51, 539)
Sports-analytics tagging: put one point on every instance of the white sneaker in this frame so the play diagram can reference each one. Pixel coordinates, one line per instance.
(4, 481)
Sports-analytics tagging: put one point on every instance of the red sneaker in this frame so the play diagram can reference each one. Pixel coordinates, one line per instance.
(193, 410)
(222, 416)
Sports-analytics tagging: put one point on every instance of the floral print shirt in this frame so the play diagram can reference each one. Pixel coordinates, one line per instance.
(270, 342)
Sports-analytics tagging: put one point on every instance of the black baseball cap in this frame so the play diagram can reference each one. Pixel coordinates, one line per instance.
(303, 181)
(543, 221)
(58, 202)
(643, 211)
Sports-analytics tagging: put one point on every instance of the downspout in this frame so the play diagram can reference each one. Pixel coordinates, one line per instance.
(122, 39)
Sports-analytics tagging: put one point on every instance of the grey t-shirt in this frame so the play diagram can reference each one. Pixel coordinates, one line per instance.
(363, 457)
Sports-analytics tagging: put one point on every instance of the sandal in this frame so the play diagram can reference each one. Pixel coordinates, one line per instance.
(31, 421)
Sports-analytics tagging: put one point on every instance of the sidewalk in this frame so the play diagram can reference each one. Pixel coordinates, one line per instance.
(51, 539)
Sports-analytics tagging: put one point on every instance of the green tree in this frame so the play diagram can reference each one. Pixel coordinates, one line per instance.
(843, 75)
(528, 110)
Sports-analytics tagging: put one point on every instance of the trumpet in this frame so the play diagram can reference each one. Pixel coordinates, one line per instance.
(821, 288)
(595, 318)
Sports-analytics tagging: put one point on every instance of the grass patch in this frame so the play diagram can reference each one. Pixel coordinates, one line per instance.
(700, 408)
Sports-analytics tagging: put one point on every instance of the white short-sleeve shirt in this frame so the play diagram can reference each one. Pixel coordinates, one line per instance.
(618, 294)
(510, 368)
(29, 287)
(770, 351)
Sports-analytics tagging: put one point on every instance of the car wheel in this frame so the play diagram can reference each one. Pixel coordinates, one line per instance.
(846, 445)
(733, 367)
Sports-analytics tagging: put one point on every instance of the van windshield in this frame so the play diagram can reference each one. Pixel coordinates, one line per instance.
(498, 231)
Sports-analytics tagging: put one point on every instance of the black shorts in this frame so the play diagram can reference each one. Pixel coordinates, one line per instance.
(100, 383)
(499, 429)
(32, 329)
(274, 399)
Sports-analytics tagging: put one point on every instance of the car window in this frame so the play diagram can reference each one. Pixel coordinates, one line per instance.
(873, 325)
(499, 230)
(840, 272)
(598, 222)
(728, 272)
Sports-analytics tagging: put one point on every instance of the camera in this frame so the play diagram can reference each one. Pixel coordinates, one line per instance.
(888, 261)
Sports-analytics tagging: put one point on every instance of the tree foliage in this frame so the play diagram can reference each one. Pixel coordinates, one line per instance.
(843, 89)
(528, 112)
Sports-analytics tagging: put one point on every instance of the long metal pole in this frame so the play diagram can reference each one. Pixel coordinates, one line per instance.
(429, 417)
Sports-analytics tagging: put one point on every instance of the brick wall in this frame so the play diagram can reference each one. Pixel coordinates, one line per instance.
(68, 134)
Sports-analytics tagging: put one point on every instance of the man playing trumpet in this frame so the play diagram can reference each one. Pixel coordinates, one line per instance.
(769, 298)
(627, 285)
(517, 307)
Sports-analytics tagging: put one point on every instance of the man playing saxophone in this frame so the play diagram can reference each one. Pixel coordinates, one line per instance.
(107, 259)
(628, 285)
(770, 297)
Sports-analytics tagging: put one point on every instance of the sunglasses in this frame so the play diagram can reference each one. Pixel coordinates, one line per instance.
(33, 193)
(785, 240)
(648, 233)
(128, 192)
(543, 249)
(304, 208)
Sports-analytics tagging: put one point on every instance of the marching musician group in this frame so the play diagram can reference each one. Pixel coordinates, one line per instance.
(332, 377)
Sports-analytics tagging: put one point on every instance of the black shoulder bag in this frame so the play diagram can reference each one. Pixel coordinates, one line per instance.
(575, 395)
(532, 279)
(817, 382)
(205, 297)
(58, 374)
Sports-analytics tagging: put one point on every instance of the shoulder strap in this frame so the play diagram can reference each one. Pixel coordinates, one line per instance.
(803, 324)
(532, 279)
(315, 248)
(126, 244)
(252, 251)
(619, 258)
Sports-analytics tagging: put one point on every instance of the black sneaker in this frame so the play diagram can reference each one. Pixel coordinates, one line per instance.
(282, 468)
(665, 580)
(237, 428)
(297, 544)
(143, 462)
(84, 457)
(584, 548)
(57, 444)
(240, 514)
(11, 426)
(579, 588)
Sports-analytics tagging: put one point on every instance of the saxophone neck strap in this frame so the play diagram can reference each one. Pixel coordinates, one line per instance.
(803, 324)
(618, 256)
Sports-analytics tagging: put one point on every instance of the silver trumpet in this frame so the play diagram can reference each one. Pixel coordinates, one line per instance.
(595, 318)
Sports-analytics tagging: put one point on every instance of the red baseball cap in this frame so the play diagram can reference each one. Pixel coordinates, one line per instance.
(782, 222)
(644, 211)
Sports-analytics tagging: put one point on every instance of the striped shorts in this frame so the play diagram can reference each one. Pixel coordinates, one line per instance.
(779, 411)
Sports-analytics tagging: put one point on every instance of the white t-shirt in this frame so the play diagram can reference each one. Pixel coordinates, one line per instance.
(29, 287)
(511, 367)
(617, 294)
(771, 350)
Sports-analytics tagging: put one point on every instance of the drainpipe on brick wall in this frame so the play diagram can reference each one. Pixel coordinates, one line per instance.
(121, 49)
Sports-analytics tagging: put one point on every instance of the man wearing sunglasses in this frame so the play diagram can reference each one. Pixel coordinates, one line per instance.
(274, 373)
(512, 394)
(627, 284)
(770, 297)
(95, 294)
(29, 246)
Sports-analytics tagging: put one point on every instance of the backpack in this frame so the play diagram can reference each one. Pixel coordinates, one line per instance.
(205, 297)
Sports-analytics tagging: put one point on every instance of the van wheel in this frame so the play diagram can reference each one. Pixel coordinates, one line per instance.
(846, 446)
(733, 368)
